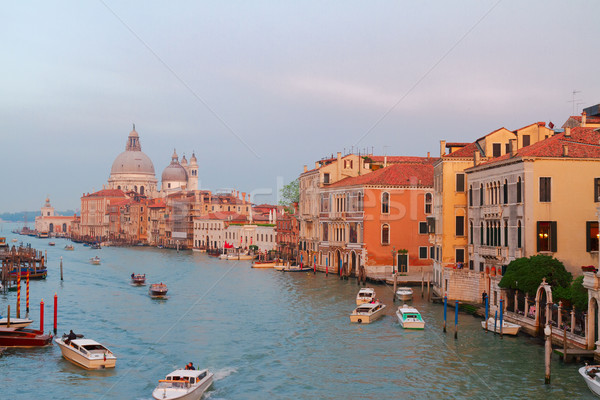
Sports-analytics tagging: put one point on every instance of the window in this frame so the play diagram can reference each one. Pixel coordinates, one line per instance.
(460, 225)
(596, 190)
(546, 236)
(519, 191)
(481, 194)
(481, 267)
(592, 234)
(423, 252)
(326, 178)
(423, 228)
(385, 234)
(428, 203)
(385, 203)
(507, 148)
(545, 189)
(432, 252)
(460, 182)
(470, 232)
(496, 150)
(505, 192)
(471, 264)
(505, 233)
(460, 255)
(481, 235)
(470, 195)
(526, 140)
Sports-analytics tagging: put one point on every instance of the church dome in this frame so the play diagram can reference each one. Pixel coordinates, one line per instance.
(174, 172)
(133, 160)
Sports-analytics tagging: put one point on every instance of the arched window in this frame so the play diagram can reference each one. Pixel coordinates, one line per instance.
(64, 227)
(505, 233)
(519, 235)
(470, 232)
(519, 189)
(505, 194)
(385, 203)
(385, 234)
(141, 190)
(428, 203)
(481, 235)
(481, 194)
(470, 195)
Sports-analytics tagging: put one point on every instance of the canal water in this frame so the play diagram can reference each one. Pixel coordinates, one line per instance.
(264, 334)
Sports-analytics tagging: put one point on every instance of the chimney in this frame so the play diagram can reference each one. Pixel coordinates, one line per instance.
(442, 148)
(428, 154)
(567, 132)
(513, 147)
(244, 196)
(306, 168)
(583, 118)
(339, 156)
(565, 150)
(476, 158)
(384, 161)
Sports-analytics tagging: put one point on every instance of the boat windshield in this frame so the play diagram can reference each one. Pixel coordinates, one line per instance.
(178, 383)
(94, 347)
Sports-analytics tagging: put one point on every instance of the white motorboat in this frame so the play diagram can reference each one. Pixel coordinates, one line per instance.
(95, 260)
(404, 293)
(15, 322)
(410, 318)
(590, 376)
(86, 353)
(365, 295)
(508, 328)
(183, 384)
(367, 313)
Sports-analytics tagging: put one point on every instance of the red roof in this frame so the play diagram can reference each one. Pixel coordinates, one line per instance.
(465, 152)
(403, 159)
(403, 174)
(107, 193)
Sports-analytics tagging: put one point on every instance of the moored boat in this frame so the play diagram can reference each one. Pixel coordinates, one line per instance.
(34, 273)
(3, 242)
(86, 353)
(15, 322)
(365, 295)
(508, 328)
(23, 337)
(590, 374)
(95, 260)
(183, 384)
(138, 279)
(295, 268)
(404, 293)
(410, 318)
(158, 290)
(367, 312)
(264, 264)
(69, 247)
(51, 243)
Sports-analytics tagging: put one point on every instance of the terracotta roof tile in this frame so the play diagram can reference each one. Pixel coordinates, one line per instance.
(465, 152)
(107, 193)
(403, 174)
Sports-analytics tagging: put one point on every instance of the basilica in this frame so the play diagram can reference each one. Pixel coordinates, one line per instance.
(133, 171)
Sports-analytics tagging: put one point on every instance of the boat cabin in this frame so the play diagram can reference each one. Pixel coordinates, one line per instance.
(368, 308)
(182, 378)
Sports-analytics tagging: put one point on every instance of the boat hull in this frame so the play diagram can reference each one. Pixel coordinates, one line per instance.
(419, 325)
(507, 327)
(196, 394)
(592, 383)
(404, 297)
(367, 318)
(78, 359)
(23, 338)
(15, 323)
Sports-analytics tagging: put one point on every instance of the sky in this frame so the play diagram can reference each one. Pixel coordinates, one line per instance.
(259, 89)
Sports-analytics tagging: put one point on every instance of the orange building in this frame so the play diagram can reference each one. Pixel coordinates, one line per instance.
(378, 220)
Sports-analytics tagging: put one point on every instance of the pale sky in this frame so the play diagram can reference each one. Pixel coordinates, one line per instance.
(258, 89)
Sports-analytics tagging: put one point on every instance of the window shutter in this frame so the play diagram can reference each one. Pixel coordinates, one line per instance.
(588, 237)
(554, 235)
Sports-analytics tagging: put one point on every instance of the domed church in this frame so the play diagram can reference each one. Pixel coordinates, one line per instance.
(133, 170)
(180, 176)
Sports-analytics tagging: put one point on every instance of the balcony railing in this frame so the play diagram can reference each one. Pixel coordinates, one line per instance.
(491, 211)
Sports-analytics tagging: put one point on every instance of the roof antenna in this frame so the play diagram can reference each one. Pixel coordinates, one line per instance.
(134, 126)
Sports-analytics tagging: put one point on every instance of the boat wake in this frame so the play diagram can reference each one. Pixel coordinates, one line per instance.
(223, 373)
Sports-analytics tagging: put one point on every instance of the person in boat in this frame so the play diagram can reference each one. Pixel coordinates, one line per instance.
(132, 275)
(190, 366)
(71, 336)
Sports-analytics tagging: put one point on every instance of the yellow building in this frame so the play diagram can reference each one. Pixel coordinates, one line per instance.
(448, 226)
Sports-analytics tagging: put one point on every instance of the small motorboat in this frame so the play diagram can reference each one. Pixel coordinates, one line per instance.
(23, 337)
(264, 264)
(590, 376)
(295, 268)
(365, 295)
(51, 243)
(95, 246)
(158, 290)
(138, 279)
(508, 328)
(15, 240)
(183, 384)
(15, 322)
(367, 313)
(404, 293)
(69, 247)
(410, 318)
(86, 353)
(95, 260)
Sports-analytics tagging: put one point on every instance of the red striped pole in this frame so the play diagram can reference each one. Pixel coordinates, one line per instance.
(18, 296)
(55, 311)
(28, 292)
(42, 316)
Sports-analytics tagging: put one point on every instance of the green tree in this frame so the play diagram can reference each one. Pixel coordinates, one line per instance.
(575, 294)
(290, 193)
(526, 274)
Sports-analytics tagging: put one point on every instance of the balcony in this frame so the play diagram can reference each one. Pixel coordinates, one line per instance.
(490, 252)
(491, 211)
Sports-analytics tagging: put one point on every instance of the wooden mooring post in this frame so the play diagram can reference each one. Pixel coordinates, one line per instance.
(548, 353)
(395, 285)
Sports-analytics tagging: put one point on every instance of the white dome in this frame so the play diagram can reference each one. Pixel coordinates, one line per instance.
(133, 160)
(174, 173)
